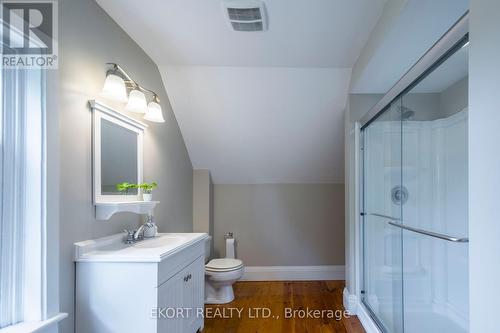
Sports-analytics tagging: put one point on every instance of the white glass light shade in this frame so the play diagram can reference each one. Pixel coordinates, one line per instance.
(114, 88)
(154, 113)
(136, 102)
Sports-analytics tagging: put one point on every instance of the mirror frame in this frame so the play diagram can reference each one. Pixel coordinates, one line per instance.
(101, 111)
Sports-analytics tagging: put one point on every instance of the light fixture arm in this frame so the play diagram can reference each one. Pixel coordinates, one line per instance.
(117, 69)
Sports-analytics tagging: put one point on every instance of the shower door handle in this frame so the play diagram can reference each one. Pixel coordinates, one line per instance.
(383, 216)
(430, 233)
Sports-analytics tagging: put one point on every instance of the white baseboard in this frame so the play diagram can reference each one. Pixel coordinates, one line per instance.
(293, 273)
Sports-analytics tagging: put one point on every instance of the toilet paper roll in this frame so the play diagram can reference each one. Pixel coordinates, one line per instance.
(230, 248)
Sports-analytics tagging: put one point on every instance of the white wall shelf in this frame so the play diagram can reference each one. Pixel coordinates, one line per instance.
(104, 210)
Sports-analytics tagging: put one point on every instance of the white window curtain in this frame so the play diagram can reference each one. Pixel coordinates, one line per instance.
(22, 197)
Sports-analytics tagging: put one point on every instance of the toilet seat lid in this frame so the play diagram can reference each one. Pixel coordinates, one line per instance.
(224, 264)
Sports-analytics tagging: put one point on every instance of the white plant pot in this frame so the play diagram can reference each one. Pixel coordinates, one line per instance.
(147, 196)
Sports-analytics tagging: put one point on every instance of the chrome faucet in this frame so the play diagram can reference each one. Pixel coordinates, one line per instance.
(134, 235)
(129, 239)
(139, 233)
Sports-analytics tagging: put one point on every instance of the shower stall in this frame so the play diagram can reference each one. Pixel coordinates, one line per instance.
(414, 225)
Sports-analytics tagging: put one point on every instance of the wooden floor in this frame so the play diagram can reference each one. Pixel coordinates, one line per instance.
(277, 297)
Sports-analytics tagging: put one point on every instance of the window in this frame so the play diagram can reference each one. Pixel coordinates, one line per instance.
(22, 196)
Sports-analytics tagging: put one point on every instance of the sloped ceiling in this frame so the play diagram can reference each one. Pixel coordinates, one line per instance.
(262, 107)
(405, 31)
(262, 125)
(302, 33)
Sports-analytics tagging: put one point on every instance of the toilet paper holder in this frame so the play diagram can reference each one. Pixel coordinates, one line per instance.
(229, 235)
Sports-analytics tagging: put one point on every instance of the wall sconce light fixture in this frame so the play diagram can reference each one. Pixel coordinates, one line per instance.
(154, 111)
(137, 102)
(115, 87)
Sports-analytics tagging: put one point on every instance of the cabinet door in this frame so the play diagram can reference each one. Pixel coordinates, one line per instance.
(181, 298)
(194, 295)
(170, 298)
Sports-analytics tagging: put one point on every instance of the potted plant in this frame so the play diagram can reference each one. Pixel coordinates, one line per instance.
(147, 189)
(125, 187)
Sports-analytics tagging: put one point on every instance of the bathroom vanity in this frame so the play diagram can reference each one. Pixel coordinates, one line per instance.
(155, 285)
(149, 286)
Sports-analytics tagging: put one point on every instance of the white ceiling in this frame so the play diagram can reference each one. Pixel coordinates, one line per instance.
(262, 125)
(263, 107)
(408, 35)
(302, 33)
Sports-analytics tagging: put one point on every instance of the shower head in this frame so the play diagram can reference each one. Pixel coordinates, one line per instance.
(406, 113)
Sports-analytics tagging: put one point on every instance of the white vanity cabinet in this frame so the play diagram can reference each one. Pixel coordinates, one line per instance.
(152, 286)
(182, 289)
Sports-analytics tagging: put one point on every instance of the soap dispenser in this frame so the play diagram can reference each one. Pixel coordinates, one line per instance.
(150, 228)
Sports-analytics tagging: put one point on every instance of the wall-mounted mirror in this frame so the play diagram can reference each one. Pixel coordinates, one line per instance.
(117, 154)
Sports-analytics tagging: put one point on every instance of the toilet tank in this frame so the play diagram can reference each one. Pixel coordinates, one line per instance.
(208, 248)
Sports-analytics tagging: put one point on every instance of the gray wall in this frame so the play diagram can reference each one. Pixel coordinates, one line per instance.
(484, 165)
(425, 105)
(430, 106)
(455, 98)
(202, 202)
(282, 224)
(203, 213)
(89, 38)
(359, 104)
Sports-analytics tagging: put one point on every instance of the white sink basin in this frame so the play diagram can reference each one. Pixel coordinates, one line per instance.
(160, 241)
(113, 249)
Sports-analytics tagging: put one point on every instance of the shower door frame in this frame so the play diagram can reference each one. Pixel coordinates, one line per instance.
(426, 64)
(452, 40)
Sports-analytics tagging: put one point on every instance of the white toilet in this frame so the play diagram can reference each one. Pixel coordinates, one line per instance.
(221, 274)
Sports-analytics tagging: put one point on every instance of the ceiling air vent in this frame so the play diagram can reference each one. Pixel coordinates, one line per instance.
(245, 15)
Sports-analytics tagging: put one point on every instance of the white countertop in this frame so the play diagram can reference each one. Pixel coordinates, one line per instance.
(113, 249)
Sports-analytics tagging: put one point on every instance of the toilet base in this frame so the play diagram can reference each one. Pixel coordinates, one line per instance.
(218, 295)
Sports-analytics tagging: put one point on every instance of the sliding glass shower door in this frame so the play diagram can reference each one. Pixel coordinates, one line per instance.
(382, 250)
(435, 215)
(415, 213)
